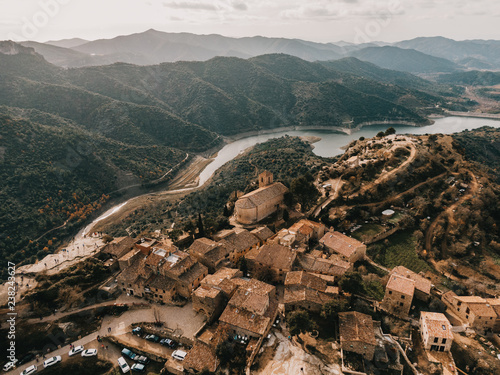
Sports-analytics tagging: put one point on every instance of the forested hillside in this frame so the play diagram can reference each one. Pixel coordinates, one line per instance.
(72, 136)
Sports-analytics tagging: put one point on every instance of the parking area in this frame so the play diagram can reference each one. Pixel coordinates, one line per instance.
(183, 320)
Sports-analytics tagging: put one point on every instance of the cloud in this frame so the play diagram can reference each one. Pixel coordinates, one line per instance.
(327, 10)
(239, 5)
(191, 5)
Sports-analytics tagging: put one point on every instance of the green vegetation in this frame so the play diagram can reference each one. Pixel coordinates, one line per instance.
(75, 286)
(474, 78)
(288, 158)
(398, 251)
(52, 172)
(299, 321)
(481, 145)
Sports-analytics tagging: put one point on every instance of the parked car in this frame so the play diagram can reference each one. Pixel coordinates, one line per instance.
(29, 370)
(138, 367)
(168, 342)
(123, 365)
(128, 353)
(28, 357)
(137, 331)
(76, 350)
(143, 360)
(52, 361)
(89, 353)
(10, 365)
(152, 338)
(179, 355)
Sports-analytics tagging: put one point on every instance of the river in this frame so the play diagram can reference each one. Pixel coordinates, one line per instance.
(331, 144)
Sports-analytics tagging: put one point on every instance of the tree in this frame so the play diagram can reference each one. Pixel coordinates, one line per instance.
(380, 135)
(243, 266)
(201, 229)
(331, 310)
(304, 192)
(299, 321)
(352, 282)
(225, 352)
(390, 131)
(286, 215)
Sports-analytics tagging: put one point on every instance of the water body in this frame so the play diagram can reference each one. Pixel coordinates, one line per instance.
(331, 142)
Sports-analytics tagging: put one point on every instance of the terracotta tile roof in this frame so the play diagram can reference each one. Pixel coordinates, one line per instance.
(221, 275)
(202, 245)
(274, 256)
(470, 299)
(305, 279)
(196, 271)
(421, 283)
(206, 292)
(201, 357)
(119, 246)
(355, 326)
(129, 255)
(479, 306)
(162, 282)
(340, 243)
(245, 319)
(294, 294)
(436, 325)
(312, 264)
(242, 240)
(131, 274)
(254, 286)
(255, 302)
(261, 196)
(154, 260)
(262, 233)
(401, 284)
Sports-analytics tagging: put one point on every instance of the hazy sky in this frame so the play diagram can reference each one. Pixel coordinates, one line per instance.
(317, 20)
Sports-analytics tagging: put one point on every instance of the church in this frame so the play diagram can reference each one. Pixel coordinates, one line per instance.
(259, 204)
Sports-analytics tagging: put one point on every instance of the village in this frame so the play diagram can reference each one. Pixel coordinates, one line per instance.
(249, 281)
(267, 297)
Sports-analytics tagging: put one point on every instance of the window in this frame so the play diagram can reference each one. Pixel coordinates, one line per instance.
(435, 339)
(467, 311)
(390, 291)
(459, 303)
(444, 341)
(401, 303)
(402, 297)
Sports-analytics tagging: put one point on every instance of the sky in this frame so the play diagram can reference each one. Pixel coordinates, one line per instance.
(355, 21)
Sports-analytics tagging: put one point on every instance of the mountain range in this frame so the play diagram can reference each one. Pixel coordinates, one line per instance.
(420, 55)
(70, 137)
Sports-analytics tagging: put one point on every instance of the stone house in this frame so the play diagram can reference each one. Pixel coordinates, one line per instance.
(333, 266)
(276, 258)
(212, 254)
(422, 285)
(480, 313)
(436, 332)
(259, 204)
(211, 297)
(357, 334)
(348, 248)
(398, 295)
(307, 229)
(263, 234)
(306, 291)
(252, 309)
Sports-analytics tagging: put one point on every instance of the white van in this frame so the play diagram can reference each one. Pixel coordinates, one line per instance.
(179, 354)
(123, 365)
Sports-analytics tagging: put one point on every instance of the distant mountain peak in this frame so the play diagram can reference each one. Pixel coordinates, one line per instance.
(9, 47)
